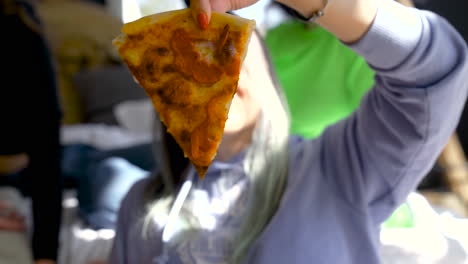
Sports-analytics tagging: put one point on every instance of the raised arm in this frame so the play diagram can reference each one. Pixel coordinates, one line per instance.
(347, 19)
(379, 154)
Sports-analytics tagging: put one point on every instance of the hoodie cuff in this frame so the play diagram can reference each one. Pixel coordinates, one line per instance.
(389, 41)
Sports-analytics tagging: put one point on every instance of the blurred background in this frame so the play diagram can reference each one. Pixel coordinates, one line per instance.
(95, 127)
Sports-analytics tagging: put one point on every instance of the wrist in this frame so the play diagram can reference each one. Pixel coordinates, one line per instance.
(305, 7)
(349, 20)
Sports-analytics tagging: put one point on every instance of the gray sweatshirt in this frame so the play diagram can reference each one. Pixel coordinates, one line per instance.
(343, 185)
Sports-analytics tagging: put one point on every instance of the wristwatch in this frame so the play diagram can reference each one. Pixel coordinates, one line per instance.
(316, 15)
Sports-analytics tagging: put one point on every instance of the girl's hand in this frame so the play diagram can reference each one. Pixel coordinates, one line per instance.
(201, 9)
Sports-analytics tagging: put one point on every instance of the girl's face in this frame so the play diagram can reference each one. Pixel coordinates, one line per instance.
(245, 108)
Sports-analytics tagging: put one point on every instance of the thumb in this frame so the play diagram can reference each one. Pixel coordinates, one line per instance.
(201, 12)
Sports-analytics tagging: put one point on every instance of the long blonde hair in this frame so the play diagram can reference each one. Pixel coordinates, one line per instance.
(265, 162)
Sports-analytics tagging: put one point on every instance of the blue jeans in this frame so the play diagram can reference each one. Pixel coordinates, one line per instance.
(104, 177)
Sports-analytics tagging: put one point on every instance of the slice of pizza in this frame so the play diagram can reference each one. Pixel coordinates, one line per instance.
(190, 74)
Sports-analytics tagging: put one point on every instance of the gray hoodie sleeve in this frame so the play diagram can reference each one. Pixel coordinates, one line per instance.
(378, 155)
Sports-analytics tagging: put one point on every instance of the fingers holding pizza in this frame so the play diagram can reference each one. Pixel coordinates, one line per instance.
(201, 9)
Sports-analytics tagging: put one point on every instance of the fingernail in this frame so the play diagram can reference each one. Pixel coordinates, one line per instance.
(202, 20)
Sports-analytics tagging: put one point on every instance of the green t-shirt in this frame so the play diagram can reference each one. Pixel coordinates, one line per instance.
(323, 79)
